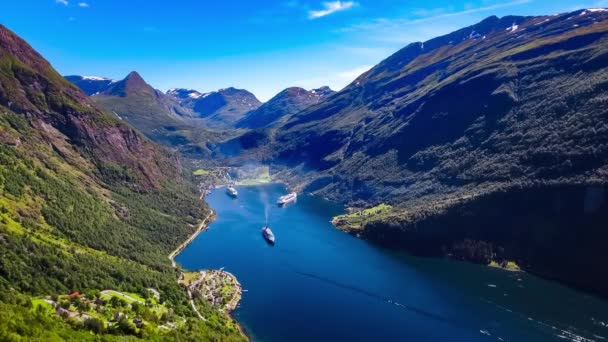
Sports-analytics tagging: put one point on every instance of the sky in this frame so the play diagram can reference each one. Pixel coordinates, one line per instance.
(263, 46)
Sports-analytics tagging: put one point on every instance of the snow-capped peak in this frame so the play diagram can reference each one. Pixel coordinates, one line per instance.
(593, 10)
(96, 78)
(195, 95)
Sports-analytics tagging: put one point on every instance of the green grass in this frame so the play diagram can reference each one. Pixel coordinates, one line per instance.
(262, 177)
(358, 218)
(202, 172)
(506, 265)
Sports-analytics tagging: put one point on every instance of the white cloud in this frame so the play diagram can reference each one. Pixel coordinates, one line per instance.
(63, 2)
(335, 80)
(353, 73)
(429, 24)
(83, 4)
(428, 15)
(329, 8)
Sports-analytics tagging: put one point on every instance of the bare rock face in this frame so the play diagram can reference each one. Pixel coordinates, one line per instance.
(30, 86)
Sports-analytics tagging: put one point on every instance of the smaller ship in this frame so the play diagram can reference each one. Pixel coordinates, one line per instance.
(289, 198)
(231, 191)
(268, 235)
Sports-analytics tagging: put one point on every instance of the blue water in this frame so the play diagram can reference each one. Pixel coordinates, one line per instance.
(319, 284)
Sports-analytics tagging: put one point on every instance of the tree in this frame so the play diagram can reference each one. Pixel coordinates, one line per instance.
(136, 307)
(94, 325)
(115, 302)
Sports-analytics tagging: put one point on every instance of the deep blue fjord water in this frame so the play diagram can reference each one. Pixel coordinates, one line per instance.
(319, 284)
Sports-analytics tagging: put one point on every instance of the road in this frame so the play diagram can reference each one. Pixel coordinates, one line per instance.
(181, 247)
(123, 295)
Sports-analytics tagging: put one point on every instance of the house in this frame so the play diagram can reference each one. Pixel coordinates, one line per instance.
(74, 294)
(119, 315)
(138, 322)
(63, 312)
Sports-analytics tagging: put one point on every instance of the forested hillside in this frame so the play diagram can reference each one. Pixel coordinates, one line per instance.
(86, 204)
(507, 109)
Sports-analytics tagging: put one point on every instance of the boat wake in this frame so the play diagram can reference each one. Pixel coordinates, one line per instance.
(382, 298)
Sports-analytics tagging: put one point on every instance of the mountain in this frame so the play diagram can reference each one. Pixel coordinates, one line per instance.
(90, 84)
(160, 117)
(87, 203)
(218, 109)
(287, 102)
(490, 143)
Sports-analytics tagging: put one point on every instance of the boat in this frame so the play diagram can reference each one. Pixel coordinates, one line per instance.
(268, 235)
(231, 191)
(289, 198)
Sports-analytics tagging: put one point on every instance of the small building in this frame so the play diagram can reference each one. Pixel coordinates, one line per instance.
(119, 315)
(138, 322)
(74, 294)
(63, 312)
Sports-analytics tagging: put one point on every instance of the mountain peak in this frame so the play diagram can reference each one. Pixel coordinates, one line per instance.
(135, 79)
(134, 75)
(91, 85)
(184, 94)
(132, 84)
(323, 91)
(288, 102)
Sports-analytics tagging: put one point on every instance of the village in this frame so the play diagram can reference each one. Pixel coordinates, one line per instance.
(218, 288)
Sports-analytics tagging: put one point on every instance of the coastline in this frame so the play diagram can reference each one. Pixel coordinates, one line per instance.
(201, 227)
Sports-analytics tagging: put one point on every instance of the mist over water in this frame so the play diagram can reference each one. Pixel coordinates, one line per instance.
(264, 200)
(320, 284)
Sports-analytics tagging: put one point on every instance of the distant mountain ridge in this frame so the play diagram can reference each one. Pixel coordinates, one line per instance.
(90, 84)
(220, 109)
(285, 103)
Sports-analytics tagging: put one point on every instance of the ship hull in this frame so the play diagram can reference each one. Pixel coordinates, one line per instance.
(268, 236)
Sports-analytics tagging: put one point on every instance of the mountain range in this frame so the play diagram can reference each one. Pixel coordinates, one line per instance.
(483, 142)
(284, 104)
(219, 109)
(505, 116)
(488, 144)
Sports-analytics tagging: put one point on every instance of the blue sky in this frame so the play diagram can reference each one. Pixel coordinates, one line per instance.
(263, 46)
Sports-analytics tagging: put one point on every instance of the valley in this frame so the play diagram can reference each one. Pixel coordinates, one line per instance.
(440, 130)
(458, 189)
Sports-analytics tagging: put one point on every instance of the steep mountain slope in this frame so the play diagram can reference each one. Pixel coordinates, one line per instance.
(160, 117)
(219, 109)
(90, 84)
(287, 102)
(86, 203)
(135, 101)
(459, 131)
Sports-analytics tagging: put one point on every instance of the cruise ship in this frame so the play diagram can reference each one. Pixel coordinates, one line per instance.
(287, 198)
(268, 235)
(231, 191)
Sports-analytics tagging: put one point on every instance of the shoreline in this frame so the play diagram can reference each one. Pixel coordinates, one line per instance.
(201, 227)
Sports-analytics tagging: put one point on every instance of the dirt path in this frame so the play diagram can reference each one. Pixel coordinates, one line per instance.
(122, 294)
(194, 306)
